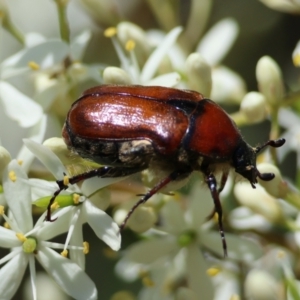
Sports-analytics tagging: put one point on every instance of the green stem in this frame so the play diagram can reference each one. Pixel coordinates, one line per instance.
(164, 13)
(63, 21)
(12, 29)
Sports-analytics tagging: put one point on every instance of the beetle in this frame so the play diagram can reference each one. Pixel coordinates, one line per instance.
(129, 129)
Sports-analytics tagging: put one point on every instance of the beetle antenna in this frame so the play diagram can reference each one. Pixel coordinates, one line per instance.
(273, 143)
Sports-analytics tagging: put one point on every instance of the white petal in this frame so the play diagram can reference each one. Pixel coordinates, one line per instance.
(49, 230)
(168, 80)
(79, 44)
(77, 240)
(47, 158)
(197, 278)
(18, 196)
(71, 278)
(8, 238)
(238, 248)
(158, 54)
(218, 41)
(147, 252)
(37, 134)
(227, 86)
(90, 186)
(44, 54)
(173, 219)
(200, 206)
(12, 274)
(18, 106)
(103, 225)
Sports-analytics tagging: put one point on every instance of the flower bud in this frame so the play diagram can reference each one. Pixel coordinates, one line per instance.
(259, 201)
(198, 74)
(269, 78)
(5, 158)
(277, 187)
(296, 55)
(260, 285)
(253, 106)
(228, 86)
(114, 75)
(142, 219)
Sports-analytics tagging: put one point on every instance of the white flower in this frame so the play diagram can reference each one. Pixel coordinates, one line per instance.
(173, 252)
(28, 242)
(130, 65)
(84, 211)
(283, 5)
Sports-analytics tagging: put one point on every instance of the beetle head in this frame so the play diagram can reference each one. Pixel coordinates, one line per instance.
(244, 161)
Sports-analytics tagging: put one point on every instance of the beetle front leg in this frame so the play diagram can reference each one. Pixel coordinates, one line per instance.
(212, 185)
(220, 189)
(102, 172)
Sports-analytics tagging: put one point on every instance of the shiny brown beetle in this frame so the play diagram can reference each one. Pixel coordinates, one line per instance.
(132, 128)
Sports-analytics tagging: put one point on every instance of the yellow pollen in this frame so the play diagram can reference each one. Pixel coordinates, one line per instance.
(12, 176)
(6, 225)
(110, 32)
(213, 272)
(64, 253)
(66, 180)
(2, 210)
(76, 198)
(296, 60)
(109, 253)
(21, 237)
(33, 65)
(235, 297)
(86, 247)
(281, 254)
(130, 45)
(55, 206)
(146, 279)
(20, 162)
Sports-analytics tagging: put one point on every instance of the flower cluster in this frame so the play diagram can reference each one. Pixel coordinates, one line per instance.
(176, 251)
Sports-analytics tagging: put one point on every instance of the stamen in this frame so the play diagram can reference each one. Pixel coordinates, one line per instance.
(76, 198)
(6, 225)
(130, 45)
(33, 65)
(146, 279)
(55, 206)
(213, 272)
(64, 253)
(110, 32)
(21, 237)
(66, 180)
(12, 176)
(20, 162)
(86, 247)
(2, 210)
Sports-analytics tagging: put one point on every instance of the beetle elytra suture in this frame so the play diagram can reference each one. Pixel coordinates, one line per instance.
(132, 128)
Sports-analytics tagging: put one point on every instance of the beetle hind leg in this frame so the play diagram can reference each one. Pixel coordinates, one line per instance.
(160, 185)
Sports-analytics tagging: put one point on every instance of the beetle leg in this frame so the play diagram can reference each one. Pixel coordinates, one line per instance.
(102, 172)
(173, 176)
(220, 189)
(212, 184)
